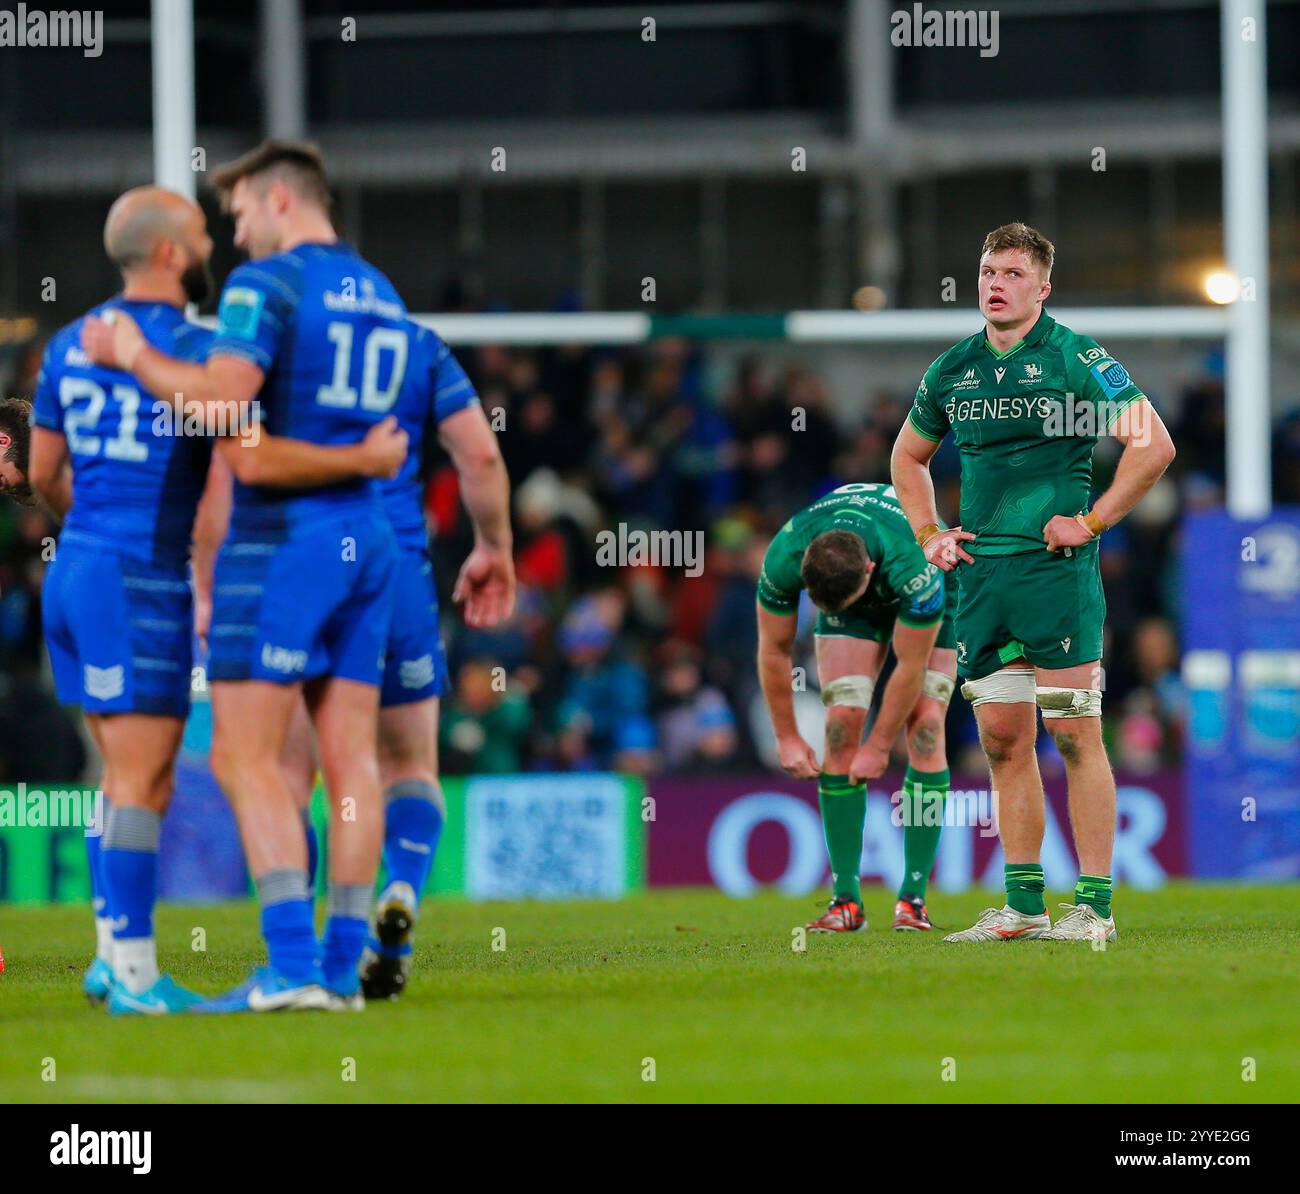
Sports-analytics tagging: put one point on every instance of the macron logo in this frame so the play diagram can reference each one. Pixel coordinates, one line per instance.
(283, 660)
(76, 1147)
(105, 683)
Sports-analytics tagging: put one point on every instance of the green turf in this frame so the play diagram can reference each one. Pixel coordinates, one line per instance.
(710, 989)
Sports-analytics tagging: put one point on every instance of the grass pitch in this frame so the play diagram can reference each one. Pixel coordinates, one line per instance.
(584, 995)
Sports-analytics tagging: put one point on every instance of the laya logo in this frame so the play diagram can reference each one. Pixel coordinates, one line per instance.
(78, 1147)
(282, 659)
(1093, 354)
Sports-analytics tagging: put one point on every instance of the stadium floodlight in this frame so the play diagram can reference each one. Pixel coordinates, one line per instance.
(1222, 286)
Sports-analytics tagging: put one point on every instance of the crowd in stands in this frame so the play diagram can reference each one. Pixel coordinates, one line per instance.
(642, 667)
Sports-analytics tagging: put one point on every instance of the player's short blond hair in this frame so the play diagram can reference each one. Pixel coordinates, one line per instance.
(1024, 238)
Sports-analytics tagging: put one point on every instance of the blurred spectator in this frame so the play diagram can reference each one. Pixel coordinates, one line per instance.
(605, 697)
(667, 436)
(484, 723)
(696, 725)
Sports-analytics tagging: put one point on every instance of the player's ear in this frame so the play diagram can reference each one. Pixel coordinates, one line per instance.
(277, 196)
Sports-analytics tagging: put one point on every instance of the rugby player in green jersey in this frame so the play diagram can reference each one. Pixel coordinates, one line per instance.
(1026, 399)
(855, 554)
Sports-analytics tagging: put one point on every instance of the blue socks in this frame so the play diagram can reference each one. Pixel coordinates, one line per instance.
(128, 864)
(413, 817)
(346, 928)
(287, 925)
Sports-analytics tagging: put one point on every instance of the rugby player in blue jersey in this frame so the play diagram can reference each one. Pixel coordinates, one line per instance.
(440, 400)
(116, 602)
(436, 398)
(304, 583)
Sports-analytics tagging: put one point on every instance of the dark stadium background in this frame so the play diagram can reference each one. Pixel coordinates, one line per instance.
(625, 164)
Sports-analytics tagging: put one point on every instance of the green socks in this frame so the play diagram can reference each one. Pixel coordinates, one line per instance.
(922, 824)
(844, 813)
(1094, 890)
(1025, 888)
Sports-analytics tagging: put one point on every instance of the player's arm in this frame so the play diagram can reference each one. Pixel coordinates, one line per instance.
(776, 635)
(486, 583)
(909, 469)
(913, 646)
(49, 470)
(275, 460)
(1148, 451)
(225, 382)
(211, 520)
(918, 440)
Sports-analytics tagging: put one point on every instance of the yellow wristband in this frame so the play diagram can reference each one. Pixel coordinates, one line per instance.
(926, 533)
(1092, 522)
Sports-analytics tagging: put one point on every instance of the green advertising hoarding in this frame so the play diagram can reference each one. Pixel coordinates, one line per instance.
(505, 837)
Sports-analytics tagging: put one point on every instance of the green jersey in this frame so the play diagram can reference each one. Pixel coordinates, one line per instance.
(903, 585)
(1026, 422)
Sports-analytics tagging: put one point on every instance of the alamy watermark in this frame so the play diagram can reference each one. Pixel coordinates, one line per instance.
(33, 28)
(52, 808)
(193, 418)
(917, 806)
(634, 548)
(919, 26)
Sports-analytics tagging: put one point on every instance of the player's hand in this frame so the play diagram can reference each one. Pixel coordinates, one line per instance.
(486, 585)
(1065, 532)
(798, 759)
(383, 451)
(944, 549)
(868, 763)
(113, 340)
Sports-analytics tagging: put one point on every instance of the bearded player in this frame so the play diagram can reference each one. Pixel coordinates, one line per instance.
(1026, 399)
(303, 583)
(116, 602)
(854, 554)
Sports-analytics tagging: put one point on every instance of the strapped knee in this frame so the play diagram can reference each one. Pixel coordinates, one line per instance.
(938, 685)
(1005, 687)
(1069, 702)
(855, 692)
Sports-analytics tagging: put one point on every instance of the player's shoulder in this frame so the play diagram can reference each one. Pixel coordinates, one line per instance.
(342, 255)
(64, 347)
(279, 277)
(192, 340)
(424, 340)
(958, 354)
(1077, 346)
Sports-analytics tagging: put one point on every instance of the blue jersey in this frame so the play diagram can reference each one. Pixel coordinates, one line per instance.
(435, 388)
(332, 337)
(136, 484)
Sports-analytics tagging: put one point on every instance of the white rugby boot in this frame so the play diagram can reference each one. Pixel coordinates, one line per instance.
(1004, 924)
